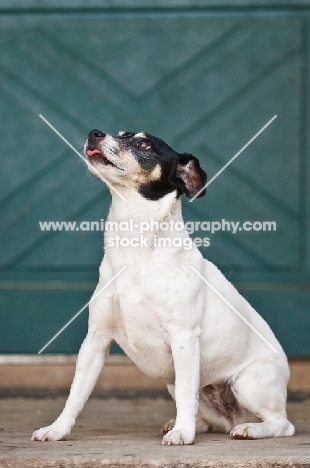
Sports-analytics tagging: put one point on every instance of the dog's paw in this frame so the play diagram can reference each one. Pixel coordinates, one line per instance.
(245, 431)
(168, 426)
(50, 433)
(177, 437)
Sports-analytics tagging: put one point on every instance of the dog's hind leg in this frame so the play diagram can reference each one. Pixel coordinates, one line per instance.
(219, 407)
(261, 389)
(169, 424)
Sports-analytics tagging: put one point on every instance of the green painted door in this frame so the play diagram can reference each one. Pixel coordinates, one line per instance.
(203, 78)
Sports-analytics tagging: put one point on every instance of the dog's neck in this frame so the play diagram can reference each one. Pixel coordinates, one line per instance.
(140, 209)
(126, 220)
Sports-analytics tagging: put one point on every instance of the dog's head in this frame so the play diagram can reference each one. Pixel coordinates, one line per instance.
(144, 162)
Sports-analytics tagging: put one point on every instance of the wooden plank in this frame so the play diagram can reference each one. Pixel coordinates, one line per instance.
(300, 375)
(120, 373)
(56, 372)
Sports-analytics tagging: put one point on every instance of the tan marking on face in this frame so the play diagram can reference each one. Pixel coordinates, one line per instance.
(156, 173)
(136, 174)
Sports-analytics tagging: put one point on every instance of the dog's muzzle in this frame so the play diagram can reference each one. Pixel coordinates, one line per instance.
(93, 143)
(94, 150)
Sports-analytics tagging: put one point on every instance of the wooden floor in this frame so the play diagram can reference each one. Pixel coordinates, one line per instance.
(126, 433)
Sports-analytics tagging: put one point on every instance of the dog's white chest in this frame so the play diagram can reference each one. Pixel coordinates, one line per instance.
(141, 335)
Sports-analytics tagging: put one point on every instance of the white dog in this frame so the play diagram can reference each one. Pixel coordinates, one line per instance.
(173, 326)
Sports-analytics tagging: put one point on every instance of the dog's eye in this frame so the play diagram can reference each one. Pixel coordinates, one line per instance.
(143, 144)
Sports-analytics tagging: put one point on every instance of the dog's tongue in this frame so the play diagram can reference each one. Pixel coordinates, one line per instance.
(92, 152)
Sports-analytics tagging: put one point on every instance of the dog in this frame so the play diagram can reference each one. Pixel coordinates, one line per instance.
(174, 327)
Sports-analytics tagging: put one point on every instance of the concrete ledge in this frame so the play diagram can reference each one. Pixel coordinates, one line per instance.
(55, 372)
(300, 375)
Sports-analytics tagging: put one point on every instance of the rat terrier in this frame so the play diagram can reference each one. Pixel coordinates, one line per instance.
(222, 376)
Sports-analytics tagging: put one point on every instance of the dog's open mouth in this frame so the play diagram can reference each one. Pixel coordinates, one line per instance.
(95, 155)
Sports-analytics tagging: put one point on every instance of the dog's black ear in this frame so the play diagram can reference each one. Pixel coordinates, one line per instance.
(189, 177)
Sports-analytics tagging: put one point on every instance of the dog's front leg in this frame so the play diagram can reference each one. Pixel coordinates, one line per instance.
(92, 355)
(186, 357)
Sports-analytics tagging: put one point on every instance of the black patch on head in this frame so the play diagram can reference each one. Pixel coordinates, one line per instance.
(160, 154)
(127, 135)
(181, 172)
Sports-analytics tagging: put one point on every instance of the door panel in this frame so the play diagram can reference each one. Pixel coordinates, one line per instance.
(205, 83)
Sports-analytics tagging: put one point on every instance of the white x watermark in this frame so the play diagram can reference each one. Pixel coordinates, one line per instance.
(233, 309)
(83, 308)
(82, 157)
(234, 157)
(192, 199)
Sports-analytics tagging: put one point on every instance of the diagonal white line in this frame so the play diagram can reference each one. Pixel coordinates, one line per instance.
(233, 309)
(234, 157)
(82, 157)
(81, 310)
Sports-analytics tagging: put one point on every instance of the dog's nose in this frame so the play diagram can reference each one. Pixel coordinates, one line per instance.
(95, 135)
